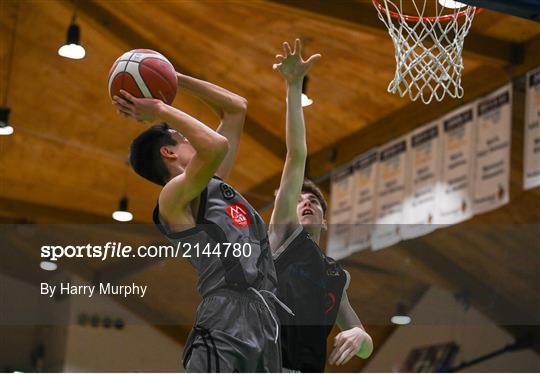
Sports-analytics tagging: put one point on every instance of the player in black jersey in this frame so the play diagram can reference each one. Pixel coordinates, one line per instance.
(310, 283)
(236, 326)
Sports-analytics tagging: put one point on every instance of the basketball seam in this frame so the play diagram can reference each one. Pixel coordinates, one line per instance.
(157, 72)
(125, 68)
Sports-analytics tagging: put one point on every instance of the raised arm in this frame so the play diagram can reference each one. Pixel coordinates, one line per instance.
(230, 108)
(293, 69)
(210, 148)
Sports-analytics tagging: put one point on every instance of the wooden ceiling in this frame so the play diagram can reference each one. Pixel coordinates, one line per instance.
(66, 162)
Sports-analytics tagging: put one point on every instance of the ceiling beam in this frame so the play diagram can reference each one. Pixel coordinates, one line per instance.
(120, 30)
(18, 211)
(363, 14)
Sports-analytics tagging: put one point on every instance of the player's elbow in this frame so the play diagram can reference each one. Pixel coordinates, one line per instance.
(220, 147)
(242, 104)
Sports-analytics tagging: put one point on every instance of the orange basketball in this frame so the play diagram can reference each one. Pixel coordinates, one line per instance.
(143, 73)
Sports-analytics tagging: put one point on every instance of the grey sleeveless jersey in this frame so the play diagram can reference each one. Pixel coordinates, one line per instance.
(225, 221)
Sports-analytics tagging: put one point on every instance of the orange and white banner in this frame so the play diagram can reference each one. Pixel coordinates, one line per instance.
(365, 174)
(341, 210)
(454, 200)
(422, 180)
(531, 145)
(492, 147)
(391, 172)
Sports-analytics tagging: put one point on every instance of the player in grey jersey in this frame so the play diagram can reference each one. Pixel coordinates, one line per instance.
(236, 325)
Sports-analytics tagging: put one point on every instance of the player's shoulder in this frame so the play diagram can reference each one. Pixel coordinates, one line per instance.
(174, 210)
(280, 235)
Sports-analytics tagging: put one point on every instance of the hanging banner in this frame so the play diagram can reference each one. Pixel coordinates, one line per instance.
(341, 209)
(531, 145)
(454, 197)
(391, 171)
(492, 147)
(423, 172)
(365, 174)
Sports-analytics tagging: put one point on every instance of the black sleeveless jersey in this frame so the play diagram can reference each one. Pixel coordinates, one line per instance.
(311, 284)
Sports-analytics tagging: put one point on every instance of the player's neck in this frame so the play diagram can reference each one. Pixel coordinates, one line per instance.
(314, 232)
(175, 170)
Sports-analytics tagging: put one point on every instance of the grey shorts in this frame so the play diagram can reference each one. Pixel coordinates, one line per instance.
(234, 332)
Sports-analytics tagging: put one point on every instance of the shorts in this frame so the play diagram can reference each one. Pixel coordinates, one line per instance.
(234, 332)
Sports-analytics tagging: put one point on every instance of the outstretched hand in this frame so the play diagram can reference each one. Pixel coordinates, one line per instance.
(140, 109)
(291, 65)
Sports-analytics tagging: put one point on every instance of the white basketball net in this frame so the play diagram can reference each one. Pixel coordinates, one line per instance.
(428, 47)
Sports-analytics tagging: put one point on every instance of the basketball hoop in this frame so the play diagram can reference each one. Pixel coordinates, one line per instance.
(428, 46)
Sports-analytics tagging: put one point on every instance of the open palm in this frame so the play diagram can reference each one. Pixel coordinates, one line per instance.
(291, 65)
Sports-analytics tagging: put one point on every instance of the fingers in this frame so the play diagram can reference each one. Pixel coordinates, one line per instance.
(287, 49)
(123, 103)
(297, 47)
(122, 110)
(121, 114)
(280, 59)
(313, 58)
(344, 349)
(338, 340)
(345, 356)
(332, 357)
(338, 346)
(128, 96)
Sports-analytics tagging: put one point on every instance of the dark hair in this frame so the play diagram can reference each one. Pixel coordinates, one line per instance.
(144, 154)
(310, 187)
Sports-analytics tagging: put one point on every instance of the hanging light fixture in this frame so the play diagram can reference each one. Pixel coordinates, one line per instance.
(306, 101)
(72, 48)
(122, 214)
(5, 128)
(401, 317)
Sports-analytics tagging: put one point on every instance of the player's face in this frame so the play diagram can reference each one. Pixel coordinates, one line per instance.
(309, 210)
(183, 149)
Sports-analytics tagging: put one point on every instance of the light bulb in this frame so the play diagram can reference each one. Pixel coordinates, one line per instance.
(306, 101)
(73, 51)
(401, 320)
(451, 4)
(122, 216)
(6, 130)
(48, 265)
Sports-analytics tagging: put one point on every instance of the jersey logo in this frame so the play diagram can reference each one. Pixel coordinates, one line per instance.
(239, 214)
(227, 192)
(330, 302)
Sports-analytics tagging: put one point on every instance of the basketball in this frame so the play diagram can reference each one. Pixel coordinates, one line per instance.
(143, 73)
